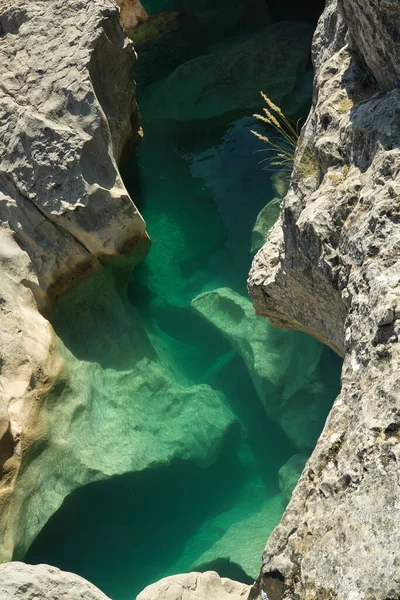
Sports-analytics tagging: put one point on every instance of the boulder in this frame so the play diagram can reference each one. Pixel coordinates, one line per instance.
(113, 406)
(19, 581)
(237, 536)
(195, 586)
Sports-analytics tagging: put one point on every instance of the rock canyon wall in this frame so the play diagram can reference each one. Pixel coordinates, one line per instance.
(331, 267)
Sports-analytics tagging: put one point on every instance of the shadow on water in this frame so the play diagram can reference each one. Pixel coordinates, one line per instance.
(125, 532)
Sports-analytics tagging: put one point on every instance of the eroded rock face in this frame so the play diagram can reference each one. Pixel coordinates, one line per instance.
(195, 586)
(330, 267)
(67, 113)
(19, 581)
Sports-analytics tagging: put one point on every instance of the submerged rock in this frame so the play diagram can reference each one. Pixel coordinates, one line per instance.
(265, 221)
(227, 82)
(68, 114)
(237, 535)
(195, 586)
(289, 475)
(113, 407)
(283, 368)
(331, 267)
(19, 581)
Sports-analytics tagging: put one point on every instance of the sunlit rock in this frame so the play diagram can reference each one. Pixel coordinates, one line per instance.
(195, 586)
(19, 581)
(132, 13)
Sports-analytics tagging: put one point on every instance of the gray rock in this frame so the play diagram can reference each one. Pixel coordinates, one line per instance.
(67, 115)
(19, 581)
(373, 27)
(330, 267)
(195, 586)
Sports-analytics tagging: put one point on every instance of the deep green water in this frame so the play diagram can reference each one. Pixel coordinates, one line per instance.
(226, 399)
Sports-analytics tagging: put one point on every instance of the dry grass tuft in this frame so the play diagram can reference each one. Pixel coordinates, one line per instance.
(282, 145)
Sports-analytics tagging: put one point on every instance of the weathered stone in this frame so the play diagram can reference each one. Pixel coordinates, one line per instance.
(67, 115)
(373, 28)
(330, 267)
(132, 13)
(195, 586)
(19, 581)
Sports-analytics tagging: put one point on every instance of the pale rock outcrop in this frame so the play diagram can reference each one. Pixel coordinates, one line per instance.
(132, 13)
(331, 267)
(19, 581)
(67, 115)
(195, 586)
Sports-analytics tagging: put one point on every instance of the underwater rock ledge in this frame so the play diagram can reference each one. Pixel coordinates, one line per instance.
(68, 114)
(331, 267)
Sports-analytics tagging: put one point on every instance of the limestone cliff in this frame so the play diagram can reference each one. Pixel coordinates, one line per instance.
(67, 115)
(331, 267)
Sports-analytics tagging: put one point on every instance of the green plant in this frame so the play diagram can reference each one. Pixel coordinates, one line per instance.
(338, 178)
(345, 105)
(283, 146)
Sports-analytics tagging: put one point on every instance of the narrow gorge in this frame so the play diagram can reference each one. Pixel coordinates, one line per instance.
(153, 427)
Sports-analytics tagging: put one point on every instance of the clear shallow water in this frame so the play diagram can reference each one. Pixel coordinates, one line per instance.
(192, 405)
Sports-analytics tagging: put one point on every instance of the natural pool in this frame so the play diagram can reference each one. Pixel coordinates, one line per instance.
(178, 406)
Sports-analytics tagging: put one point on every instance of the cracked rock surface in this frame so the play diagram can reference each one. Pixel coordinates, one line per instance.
(331, 267)
(67, 115)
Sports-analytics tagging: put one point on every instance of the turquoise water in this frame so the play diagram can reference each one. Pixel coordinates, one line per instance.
(189, 404)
